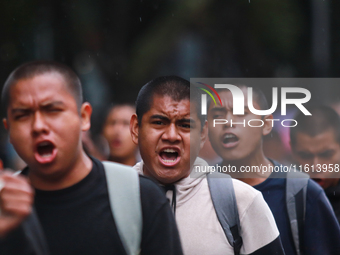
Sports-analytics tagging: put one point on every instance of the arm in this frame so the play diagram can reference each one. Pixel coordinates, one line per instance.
(321, 231)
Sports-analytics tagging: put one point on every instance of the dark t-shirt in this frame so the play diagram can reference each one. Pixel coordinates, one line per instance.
(321, 229)
(333, 194)
(78, 219)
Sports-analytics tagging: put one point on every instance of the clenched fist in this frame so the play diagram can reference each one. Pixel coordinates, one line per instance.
(16, 199)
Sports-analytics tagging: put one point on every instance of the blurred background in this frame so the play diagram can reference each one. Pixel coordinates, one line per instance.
(117, 46)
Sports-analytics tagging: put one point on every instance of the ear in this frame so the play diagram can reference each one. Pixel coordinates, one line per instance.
(268, 124)
(4, 121)
(6, 125)
(85, 114)
(204, 134)
(134, 128)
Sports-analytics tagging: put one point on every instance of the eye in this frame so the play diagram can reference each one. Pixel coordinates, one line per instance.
(157, 122)
(218, 116)
(20, 116)
(246, 112)
(327, 154)
(187, 126)
(54, 110)
(305, 155)
(111, 123)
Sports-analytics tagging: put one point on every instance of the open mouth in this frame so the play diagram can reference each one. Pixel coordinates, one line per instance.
(169, 156)
(45, 152)
(229, 139)
(116, 143)
(45, 149)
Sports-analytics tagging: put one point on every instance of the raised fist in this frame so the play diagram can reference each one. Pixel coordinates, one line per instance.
(16, 199)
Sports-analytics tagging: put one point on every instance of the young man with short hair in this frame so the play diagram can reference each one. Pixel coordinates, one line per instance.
(116, 130)
(315, 142)
(241, 145)
(169, 131)
(45, 117)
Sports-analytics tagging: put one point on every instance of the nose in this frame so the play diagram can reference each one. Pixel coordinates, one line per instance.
(316, 161)
(230, 118)
(315, 167)
(39, 124)
(171, 133)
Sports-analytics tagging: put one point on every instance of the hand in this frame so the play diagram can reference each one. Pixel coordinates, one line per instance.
(16, 199)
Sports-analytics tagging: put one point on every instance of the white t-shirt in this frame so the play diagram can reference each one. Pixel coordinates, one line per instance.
(198, 225)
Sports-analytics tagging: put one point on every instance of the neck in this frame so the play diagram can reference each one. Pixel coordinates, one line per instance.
(253, 162)
(64, 178)
(129, 160)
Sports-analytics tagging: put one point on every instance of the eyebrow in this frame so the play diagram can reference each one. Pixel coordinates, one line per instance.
(218, 109)
(44, 105)
(157, 116)
(20, 110)
(187, 120)
(54, 103)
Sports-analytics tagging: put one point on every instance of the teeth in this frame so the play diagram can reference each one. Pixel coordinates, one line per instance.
(46, 155)
(168, 161)
(44, 144)
(169, 151)
(229, 136)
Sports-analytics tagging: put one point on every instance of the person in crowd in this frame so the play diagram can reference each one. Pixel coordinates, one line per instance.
(240, 145)
(315, 144)
(169, 131)
(116, 131)
(94, 147)
(62, 191)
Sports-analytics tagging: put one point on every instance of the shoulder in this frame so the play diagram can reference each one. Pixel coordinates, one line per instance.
(151, 194)
(245, 194)
(317, 201)
(150, 188)
(250, 202)
(314, 190)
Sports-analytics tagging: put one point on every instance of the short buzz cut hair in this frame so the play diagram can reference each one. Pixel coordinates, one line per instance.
(323, 118)
(173, 86)
(112, 107)
(40, 67)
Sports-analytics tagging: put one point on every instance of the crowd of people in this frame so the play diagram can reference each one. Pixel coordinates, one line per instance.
(146, 197)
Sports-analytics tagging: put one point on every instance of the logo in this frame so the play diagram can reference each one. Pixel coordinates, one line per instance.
(239, 104)
(238, 99)
(204, 97)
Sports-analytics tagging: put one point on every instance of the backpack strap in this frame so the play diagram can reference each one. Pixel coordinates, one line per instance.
(296, 194)
(125, 202)
(224, 201)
